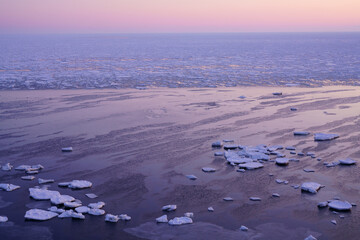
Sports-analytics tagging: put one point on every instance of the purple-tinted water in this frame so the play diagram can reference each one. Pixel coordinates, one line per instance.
(178, 60)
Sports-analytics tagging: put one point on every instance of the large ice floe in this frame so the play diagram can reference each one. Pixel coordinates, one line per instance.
(8, 187)
(39, 215)
(311, 187)
(325, 136)
(43, 194)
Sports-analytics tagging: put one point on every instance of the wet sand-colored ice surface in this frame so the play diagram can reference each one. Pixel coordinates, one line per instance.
(137, 147)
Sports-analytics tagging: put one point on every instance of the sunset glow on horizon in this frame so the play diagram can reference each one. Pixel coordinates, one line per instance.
(142, 16)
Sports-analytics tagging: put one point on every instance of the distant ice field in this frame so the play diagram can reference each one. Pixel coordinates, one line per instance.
(178, 60)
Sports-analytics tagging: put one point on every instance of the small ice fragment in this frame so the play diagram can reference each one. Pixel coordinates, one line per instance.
(301, 154)
(124, 217)
(241, 170)
(3, 219)
(271, 174)
(72, 204)
(251, 165)
(286, 182)
(227, 199)
(66, 149)
(162, 219)
(218, 154)
(8, 187)
(44, 181)
(291, 148)
(64, 184)
(340, 205)
(311, 187)
(293, 109)
(96, 205)
(243, 228)
(61, 199)
(180, 221)
(96, 212)
(91, 195)
(333, 222)
(189, 214)
(282, 161)
(79, 184)
(322, 204)
(22, 167)
(310, 154)
(255, 199)
(71, 214)
(7, 167)
(341, 216)
(301, 133)
(276, 195)
(111, 218)
(208, 169)
(294, 160)
(310, 237)
(332, 164)
(28, 178)
(347, 161)
(191, 177)
(325, 136)
(295, 186)
(228, 140)
(217, 144)
(308, 170)
(211, 209)
(277, 93)
(279, 181)
(56, 210)
(37, 167)
(231, 146)
(82, 209)
(40, 215)
(30, 171)
(169, 208)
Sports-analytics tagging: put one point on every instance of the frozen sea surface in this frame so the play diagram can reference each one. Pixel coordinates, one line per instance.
(178, 60)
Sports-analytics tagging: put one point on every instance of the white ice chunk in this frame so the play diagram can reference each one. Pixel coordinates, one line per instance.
(31, 171)
(64, 184)
(111, 218)
(218, 154)
(243, 228)
(322, 204)
(28, 178)
(96, 205)
(79, 184)
(169, 208)
(40, 215)
(71, 214)
(72, 204)
(227, 199)
(82, 209)
(7, 167)
(42, 194)
(56, 210)
(211, 209)
(191, 177)
(282, 161)
(340, 205)
(162, 219)
(308, 170)
(180, 221)
(96, 212)
(255, 199)
(325, 136)
(61, 199)
(91, 195)
(124, 217)
(44, 181)
(333, 222)
(3, 219)
(276, 195)
(8, 187)
(208, 169)
(251, 165)
(231, 146)
(189, 214)
(311, 187)
(301, 133)
(67, 149)
(347, 161)
(22, 167)
(310, 237)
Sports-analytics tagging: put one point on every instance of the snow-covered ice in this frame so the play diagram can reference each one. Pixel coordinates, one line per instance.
(44, 181)
(72, 204)
(251, 165)
(71, 214)
(8, 187)
(111, 218)
(96, 205)
(42, 194)
(211, 209)
(255, 199)
(191, 177)
(91, 195)
(244, 228)
(39, 215)
(96, 212)
(162, 219)
(310, 237)
(208, 169)
(227, 199)
(79, 184)
(56, 209)
(180, 221)
(276, 195)
(6, 167)
(3, 219)
(282, 161)
(28, 177)
(61, 199)
(311, 187)
(82, 209)
(169, 208)
(189, 214)
(67, 149)
(124, 217)
(322, 204)
(347, 161)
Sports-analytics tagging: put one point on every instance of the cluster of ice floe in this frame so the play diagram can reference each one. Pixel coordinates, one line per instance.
(186, 219)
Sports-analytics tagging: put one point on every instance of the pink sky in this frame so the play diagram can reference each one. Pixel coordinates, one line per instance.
(124, 16)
